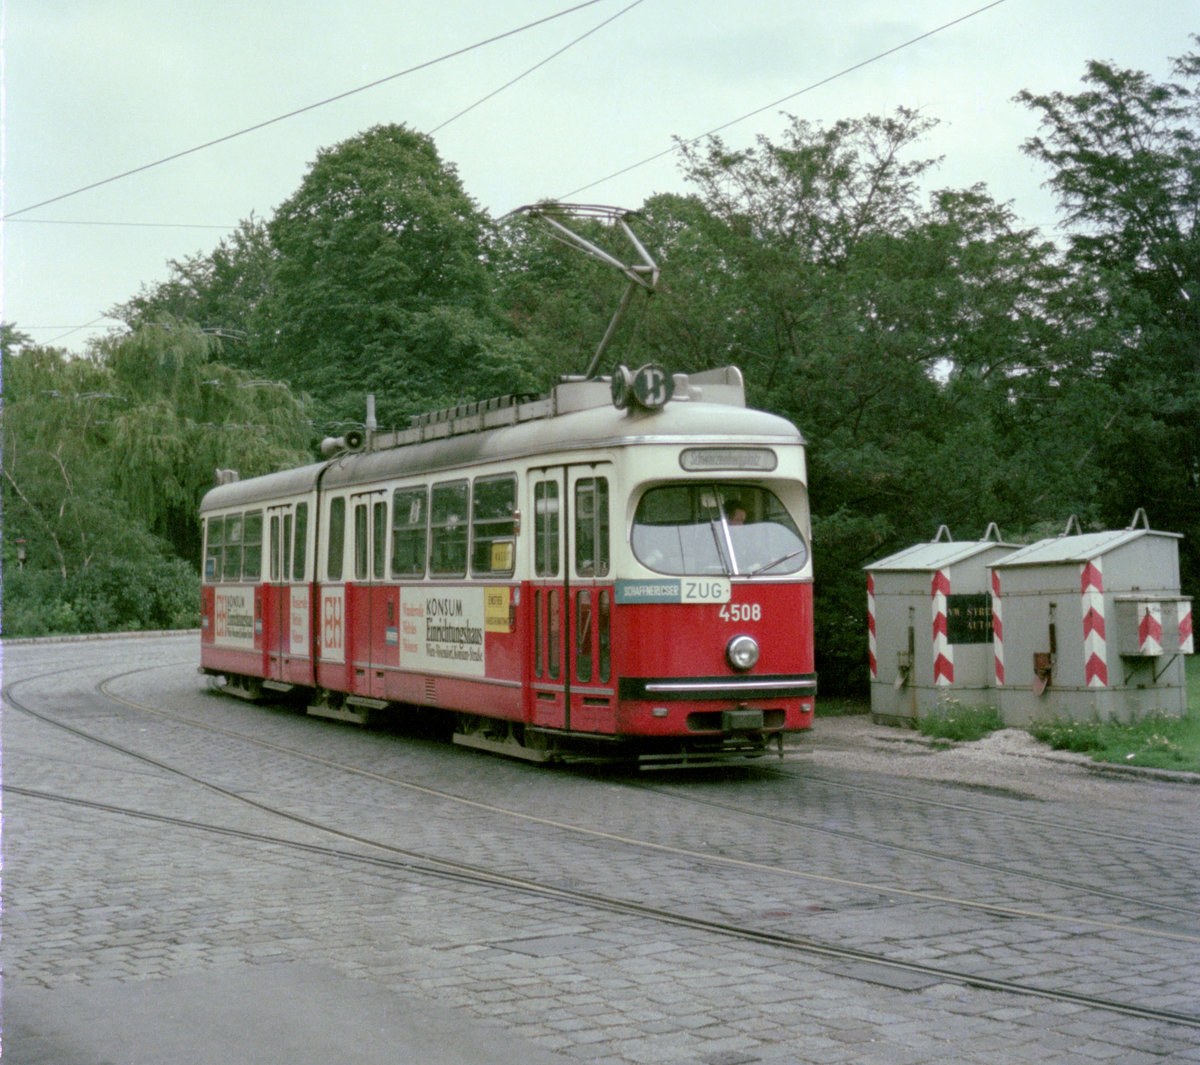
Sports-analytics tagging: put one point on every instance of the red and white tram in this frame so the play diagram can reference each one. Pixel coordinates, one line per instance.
(618, 568)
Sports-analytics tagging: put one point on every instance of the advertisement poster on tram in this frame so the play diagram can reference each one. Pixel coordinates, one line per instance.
(441, 630)
(233, 617)
(299, 628)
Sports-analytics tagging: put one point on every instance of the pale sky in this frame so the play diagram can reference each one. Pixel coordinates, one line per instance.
(93, 88)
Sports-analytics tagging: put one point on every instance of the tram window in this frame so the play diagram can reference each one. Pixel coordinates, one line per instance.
(231, 567)
(604, 636)
(273, 541)
(337, 538)
(537, 633)
(252, 532)
(545, 529)
(583, 635)
(493, 526)
(591, 527)
(300, 551)
(214, 532)
(448, 529)
(698, 528)
(379, 539)
(360, 542)
(409, 538)
(553, 634)
(286, 545)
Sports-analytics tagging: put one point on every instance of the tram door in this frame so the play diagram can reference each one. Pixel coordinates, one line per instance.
(276, 597)
(572, 672)
(369, 608)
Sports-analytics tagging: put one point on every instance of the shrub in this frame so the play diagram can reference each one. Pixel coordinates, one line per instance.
(35, 604)
(123, 596)
(1063, 734)
(110, 596)
(953, 721)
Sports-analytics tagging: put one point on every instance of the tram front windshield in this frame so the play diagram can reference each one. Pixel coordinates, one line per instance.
(731, 529)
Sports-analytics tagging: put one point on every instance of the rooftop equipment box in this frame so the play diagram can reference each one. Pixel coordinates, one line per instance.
(929, 622)
(1090, 626)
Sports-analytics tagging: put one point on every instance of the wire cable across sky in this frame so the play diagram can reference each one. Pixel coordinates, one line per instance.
(536, 66)
(783, 99)
(308, 107)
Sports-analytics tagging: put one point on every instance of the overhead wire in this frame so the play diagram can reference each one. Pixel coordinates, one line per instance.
(675, 148)
(76, 329)
(183, 225)
(308, 107)
(94, 222)
(782, 100)
(468, 48)
(441, 125)
(536, 66)
(12, 215)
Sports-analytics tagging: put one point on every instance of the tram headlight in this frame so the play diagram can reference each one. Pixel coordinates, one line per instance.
(742, 652)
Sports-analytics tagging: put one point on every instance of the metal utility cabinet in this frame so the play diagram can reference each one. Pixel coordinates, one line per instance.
(929, 617)
(1091, 625)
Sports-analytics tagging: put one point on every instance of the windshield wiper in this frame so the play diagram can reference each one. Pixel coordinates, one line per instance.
(727, 563)
(778, 562)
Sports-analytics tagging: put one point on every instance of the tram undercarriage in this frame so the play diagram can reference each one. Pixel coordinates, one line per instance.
(513, 739)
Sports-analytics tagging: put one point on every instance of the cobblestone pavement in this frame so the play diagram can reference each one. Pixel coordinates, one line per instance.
(991, 859)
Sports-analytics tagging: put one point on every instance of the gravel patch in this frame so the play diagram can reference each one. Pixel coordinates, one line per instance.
(1010, 759)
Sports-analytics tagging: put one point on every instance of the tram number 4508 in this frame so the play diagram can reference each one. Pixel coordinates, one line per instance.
(741, 612)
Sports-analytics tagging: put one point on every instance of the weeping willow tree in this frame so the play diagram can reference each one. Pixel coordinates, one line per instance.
(188, 414)
(105, 459)
(55, 418)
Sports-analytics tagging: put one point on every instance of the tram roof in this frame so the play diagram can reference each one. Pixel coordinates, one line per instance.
(568, 434)
(293, 482)
(564, 434)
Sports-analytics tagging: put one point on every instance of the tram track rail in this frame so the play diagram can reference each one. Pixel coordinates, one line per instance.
(396, 859)
(400, 860)
(1106, 833)
(922, 852)
(708, 857)
(1165, 908)
(727, 859)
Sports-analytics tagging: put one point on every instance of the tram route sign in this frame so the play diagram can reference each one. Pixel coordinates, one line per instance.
(675, 590)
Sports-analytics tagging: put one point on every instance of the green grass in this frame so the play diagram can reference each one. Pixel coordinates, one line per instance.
(1153, 740)
(953, 721)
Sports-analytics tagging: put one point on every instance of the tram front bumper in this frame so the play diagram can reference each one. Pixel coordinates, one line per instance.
(743, 719)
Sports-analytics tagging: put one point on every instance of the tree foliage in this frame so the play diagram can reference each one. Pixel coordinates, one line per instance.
(221, 292)
(902, 334)
(945, 364)
(105, 460)
(185, 415)
(381, 282)
(373, 277)
(1124, 159)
